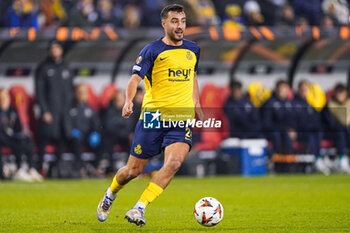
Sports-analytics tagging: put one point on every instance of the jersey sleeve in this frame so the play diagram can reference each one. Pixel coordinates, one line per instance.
(197, 55)
(143, 62)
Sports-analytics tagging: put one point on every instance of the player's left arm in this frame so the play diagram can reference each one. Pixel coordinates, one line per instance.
(196, 100)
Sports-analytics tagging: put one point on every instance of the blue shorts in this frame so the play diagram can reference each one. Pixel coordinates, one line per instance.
(150, 142)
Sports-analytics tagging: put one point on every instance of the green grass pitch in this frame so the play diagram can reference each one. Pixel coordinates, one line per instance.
(313, 203)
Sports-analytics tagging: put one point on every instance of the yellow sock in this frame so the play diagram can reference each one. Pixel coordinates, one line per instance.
(115, 186)
(151, 192)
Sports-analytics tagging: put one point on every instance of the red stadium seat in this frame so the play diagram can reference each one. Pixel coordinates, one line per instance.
(212, 99)
(298, 146)
(107, 94)
(209, 97)
(22, 102)
(327, 143)
(6, 151)
(50, 149)
(290, 93)
(93, 100)
(210, 141)
(329, 94)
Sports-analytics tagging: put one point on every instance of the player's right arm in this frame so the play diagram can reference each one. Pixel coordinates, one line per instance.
(130, 94)
(139, 70)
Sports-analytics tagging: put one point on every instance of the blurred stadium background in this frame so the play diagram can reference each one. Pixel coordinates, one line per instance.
(254, 42)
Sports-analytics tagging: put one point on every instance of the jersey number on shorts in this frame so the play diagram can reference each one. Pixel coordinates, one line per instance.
(188, 134)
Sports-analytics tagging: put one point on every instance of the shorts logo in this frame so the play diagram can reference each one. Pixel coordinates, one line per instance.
(138, 60)
(151, 120)
(138, 149)
(189, 56)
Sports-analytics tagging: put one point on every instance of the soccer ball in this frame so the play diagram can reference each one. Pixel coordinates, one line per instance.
(208, 211)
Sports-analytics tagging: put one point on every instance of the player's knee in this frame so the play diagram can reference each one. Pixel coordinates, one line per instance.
(134, 172)
(174, 165)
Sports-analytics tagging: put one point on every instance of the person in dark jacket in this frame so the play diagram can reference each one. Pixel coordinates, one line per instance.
(242, 115)
(339, 111)
(269, 11)
(84, 126)
(12, 135)
(278, 119)
(108, 14)
(115, 129)
(54, 92)
(311, 10)
(308, 120)
(83, 14)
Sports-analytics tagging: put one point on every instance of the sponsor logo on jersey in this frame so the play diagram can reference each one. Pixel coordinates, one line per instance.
(179, 73)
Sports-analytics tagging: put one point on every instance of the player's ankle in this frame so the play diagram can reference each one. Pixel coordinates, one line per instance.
(110, 194)
(140, 205)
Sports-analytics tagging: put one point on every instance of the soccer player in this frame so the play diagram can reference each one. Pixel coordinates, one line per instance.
(168, 67)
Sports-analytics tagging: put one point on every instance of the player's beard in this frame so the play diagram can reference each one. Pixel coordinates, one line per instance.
(172, 37)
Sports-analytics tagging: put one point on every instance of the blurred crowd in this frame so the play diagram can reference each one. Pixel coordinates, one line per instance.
(236, 14)
(69, 118)
(292, 122)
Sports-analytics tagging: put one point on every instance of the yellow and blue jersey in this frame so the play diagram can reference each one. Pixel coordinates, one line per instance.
(168, 72)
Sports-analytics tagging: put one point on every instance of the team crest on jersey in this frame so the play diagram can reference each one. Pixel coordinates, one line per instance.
(189, 55)
(138, 60)
(138, 149)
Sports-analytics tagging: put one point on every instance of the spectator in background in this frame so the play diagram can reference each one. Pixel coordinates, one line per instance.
(21, 13)
(13, 136)
(339, 109)
(252, 13)
(152, 10)
(310, 9)
(4, 6)
(338, 10)
(84, 126)
(53, 13)
(233, 18)
(197, 17)
(281, 3)
(287, 17)
(302, 22)
(278, 119)
(83, 14)
(327, 22)
(221, 5)
(108, 14)
(242, 115)
(132, 16)
(308, 124)
(115, 129)
(269, 11)
(205, 12)
(68, 4)
(54, 93)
